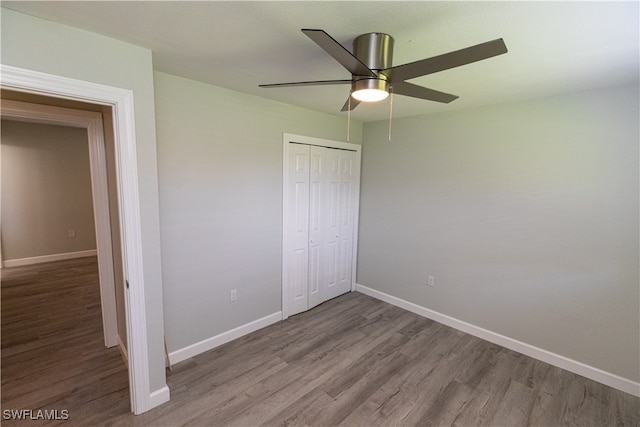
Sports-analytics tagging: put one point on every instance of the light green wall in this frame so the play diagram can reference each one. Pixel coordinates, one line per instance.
(526, 214)
(46, 190)
(40, 45)
(220, 175)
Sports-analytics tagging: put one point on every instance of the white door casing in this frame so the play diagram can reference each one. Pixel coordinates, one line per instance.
(320, 188)
(121, 103)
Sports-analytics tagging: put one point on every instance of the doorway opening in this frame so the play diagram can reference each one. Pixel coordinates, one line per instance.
(121, 103)
(33, 117)
(62, 282)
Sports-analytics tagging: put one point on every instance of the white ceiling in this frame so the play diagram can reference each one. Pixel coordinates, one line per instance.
(554, 47)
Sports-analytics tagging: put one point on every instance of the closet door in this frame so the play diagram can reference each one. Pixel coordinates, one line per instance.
(331, 229)
(344, 230)
(317, 196)
(320, 201)
(333, 201)
(296, 229)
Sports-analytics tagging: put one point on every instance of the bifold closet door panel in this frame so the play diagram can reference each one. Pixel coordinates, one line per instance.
(316, 224)
(297, 228)
(345, 230)
(323, 223)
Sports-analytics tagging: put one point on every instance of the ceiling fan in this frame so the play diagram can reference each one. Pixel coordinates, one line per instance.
(372, 73)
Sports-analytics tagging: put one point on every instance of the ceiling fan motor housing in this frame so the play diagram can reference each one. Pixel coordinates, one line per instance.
(375, 50)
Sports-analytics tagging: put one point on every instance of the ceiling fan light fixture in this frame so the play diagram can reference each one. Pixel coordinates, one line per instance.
(373, 76)
(370, 90)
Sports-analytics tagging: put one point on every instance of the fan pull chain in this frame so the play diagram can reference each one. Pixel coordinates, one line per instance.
(390, 110)
(349, 118)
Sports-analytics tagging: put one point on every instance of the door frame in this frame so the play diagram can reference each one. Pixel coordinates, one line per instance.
(92, 123)
(122, 107)
(287, 139)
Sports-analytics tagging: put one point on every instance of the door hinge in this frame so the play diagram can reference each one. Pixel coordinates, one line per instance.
(127, 282)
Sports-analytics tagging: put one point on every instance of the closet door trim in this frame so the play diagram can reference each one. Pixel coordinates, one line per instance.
(287, 141)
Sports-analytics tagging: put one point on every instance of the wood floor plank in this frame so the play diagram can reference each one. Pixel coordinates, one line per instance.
(447, 405)
(356, 395)
(405, 396)
(363, 366)
(304, 411)
(485, 357)
(488, 395)
(516, 406)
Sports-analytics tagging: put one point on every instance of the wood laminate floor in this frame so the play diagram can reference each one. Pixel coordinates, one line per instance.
(53, 353)
(356, 361)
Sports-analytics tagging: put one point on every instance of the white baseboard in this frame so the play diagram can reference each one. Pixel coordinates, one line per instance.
(48, 258)
(158, 397)
(562, 362)
(215, 341)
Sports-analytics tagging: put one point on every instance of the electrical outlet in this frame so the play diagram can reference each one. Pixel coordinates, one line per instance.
(431, 281)
(233, 295)
(71, 233)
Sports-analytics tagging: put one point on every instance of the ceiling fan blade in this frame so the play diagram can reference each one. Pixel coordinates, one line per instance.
(415, 91)
(446, 61)
(351, 102)
(311, 83)
(338, 52)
